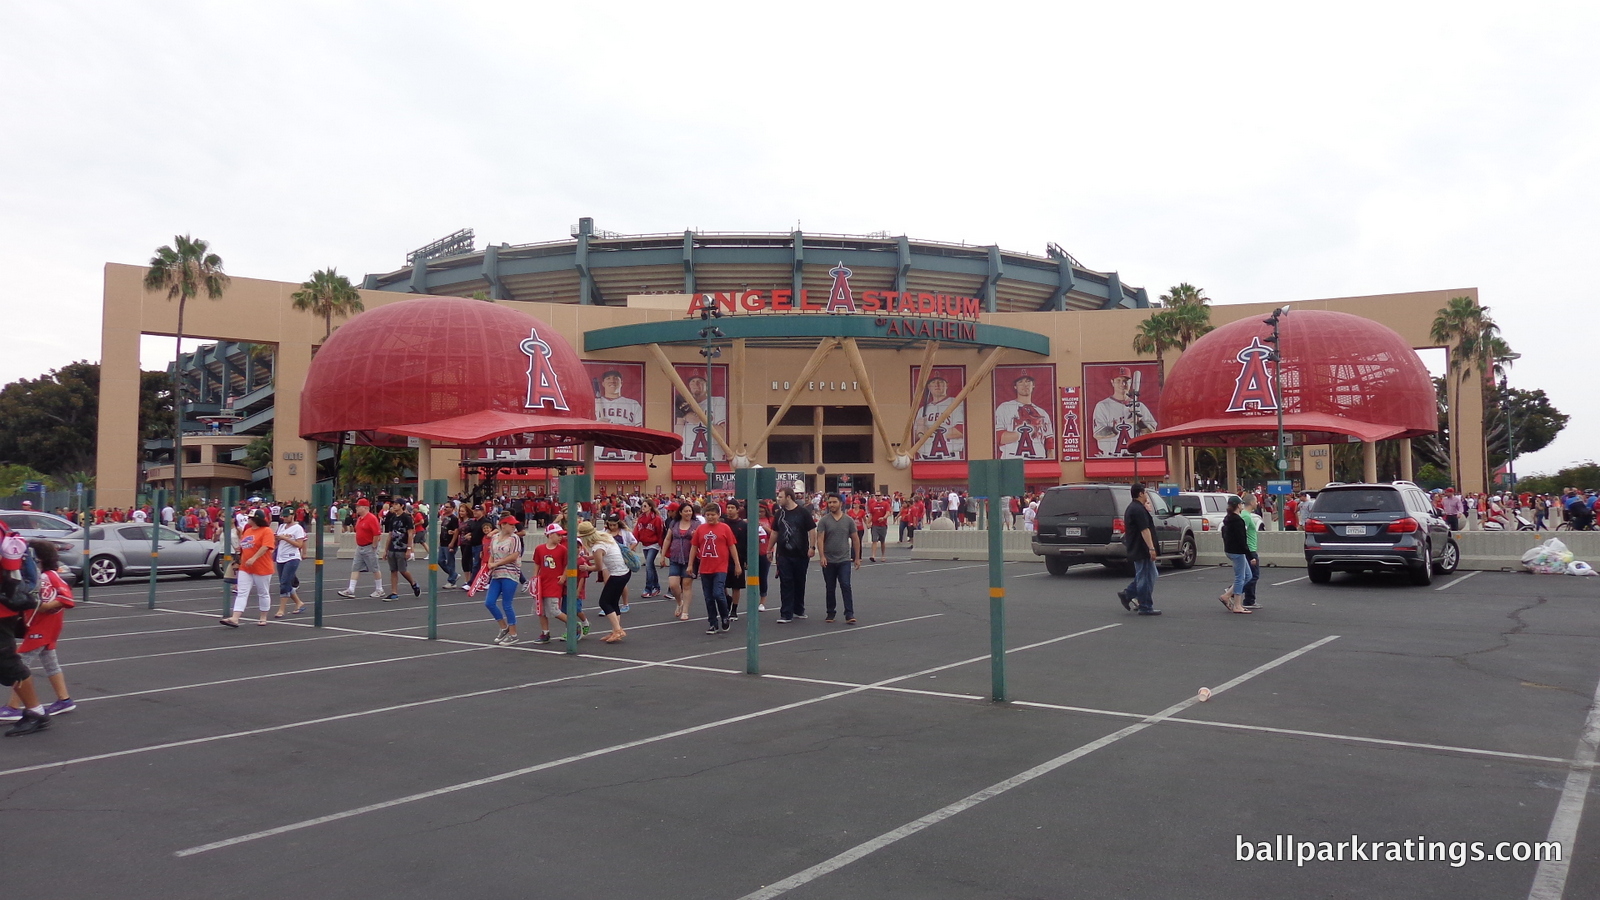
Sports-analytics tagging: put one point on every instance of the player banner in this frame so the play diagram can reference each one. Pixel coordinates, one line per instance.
(1126, 403)
(949, 440)
(713, 398)
(1024, 417)
(1071, 432)
(618, 399)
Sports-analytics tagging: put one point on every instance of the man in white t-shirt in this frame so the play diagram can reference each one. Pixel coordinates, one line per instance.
(1023, 427)
(291, 543)
(167, 515)
(697, 441)
(952, 503)
(139, 515)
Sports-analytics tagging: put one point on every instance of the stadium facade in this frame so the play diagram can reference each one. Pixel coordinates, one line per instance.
(857, 361)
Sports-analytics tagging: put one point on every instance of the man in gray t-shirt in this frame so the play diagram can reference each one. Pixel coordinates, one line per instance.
(839, 550)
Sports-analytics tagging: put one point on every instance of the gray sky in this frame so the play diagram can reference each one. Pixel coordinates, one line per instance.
(1263, 151)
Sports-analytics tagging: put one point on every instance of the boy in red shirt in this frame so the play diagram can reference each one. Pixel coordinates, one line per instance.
(714, 556)
(878, 515)
(550, 584)
(44, 629)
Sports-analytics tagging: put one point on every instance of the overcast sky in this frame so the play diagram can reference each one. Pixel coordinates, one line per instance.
(1266, 152)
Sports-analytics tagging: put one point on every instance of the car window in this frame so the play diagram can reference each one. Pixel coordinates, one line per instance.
(1357, 500)
(1216, 504)
(134, 533)
(1188, 504)
(1085, 502)
(1158, 505)
(167, 534)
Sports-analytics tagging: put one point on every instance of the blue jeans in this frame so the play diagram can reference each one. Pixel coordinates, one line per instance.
(715, 586)
(447, 562)
(652, 583)
(1241, 572)
(838, 575)
(1143, 586)
(288, 580)
(1255, 576)
(501, 599)
(792, 585)
(469, 560)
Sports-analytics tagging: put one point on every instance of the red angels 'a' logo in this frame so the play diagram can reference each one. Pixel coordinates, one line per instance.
(1254, 388)
(840, 299)
(544, 385)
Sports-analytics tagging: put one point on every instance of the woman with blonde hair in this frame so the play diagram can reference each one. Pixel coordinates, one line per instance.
(606, 557)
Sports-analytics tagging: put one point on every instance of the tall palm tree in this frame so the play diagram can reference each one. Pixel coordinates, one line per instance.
(1185, 294)
(183, 271)
(327, 294)
(1157, 334)
(1467, 330)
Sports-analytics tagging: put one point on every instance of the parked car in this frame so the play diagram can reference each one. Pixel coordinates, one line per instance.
(1203, 508)
(124, 549)
(31, 524)
(1082, 523)
(1375, 528)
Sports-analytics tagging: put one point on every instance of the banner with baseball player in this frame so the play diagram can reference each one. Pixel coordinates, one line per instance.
(618, 399)
(1124, 402)
(1071, 424)
(713, 398)
(1024, 416)
(949, 440)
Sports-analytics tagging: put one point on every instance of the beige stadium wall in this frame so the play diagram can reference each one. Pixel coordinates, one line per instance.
(260, 311)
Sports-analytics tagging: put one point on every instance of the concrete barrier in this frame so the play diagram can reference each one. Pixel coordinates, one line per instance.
(1480, 550)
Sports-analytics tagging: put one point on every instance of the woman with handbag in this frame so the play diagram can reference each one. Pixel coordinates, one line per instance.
(675, 553)
(605, 556)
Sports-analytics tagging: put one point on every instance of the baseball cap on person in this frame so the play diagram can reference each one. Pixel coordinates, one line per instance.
(364, 502)
(1123, 372)
(27, 504)
(554, 528)
(508, 520)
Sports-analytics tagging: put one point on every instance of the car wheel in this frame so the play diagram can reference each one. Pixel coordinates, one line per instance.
(1319, 574)
(1422, 573)
(104, 570)
(1449, 559)
(1187, 555)
(1055, 565)
(216, 568)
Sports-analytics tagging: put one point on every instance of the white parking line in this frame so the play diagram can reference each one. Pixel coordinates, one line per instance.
(939, 815)
(603, 751)
(201, 684)
(1550, 879)
(1452, 584)
(251, 646)
(1290, 581)
(951, 569)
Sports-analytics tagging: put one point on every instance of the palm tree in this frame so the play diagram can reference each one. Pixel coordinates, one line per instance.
(1469, 332)
(1185, 294)
(327, 294)
(1157, 334)
(183, 272)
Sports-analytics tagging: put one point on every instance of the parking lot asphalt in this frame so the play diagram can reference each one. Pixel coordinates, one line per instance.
(361, 759)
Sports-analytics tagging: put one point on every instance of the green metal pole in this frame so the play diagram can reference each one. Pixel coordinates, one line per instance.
(997, 604)
(575, 491)
(155, 543)
(84, 519)
(753, 485)
(230, 499)
(321, 501)
(433, 492)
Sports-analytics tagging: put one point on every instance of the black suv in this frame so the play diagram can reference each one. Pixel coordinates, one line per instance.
(1375, 528)
(1082, 523)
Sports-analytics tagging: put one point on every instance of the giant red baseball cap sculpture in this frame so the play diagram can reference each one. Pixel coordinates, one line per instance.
(1343, 377)
(459, 373)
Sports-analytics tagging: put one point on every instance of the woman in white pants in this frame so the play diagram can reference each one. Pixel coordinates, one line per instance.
(256, 565)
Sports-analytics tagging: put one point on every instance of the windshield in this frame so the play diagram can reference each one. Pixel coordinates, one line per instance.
(1359, 500)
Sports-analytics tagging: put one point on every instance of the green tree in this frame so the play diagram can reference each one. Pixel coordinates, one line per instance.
(12, 476)
(52, 422)
(1583, 476)
(183, 272)
(258, 453)
(1535, 421)
(1157, 334)
(155, 405)
(1468, 331)
(376, 468)
(1185, 294)
(480, 295)
(327, 294)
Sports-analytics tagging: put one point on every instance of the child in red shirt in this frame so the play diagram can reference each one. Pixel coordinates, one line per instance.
(38, 646)
(550, 584)
(714, 558)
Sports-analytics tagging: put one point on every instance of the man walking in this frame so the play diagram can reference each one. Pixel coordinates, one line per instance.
(878, 509)
(839, 544)
(792, 525)
(1252, 536)
(367, 528)
(1139, 539)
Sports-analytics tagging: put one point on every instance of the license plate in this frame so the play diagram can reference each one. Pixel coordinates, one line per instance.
(1072, 532)
(1355, 530)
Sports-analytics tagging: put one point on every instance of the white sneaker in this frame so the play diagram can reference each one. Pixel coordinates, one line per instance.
(378, 595)
(761, 607)
(347, 593)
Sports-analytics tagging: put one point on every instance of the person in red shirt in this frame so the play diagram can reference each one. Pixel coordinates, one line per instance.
(911, 518)
(367, 530)
(713, 558)
(550, 579)
(648, 530)
(257, 562)
(38, 646)
(878, 516)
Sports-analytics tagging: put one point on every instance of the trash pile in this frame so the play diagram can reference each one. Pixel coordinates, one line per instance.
(1553, 558)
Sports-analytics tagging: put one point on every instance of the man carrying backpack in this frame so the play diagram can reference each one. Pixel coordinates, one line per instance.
(17, 598)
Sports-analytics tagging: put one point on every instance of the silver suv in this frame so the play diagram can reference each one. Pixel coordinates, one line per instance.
(1376, 528)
